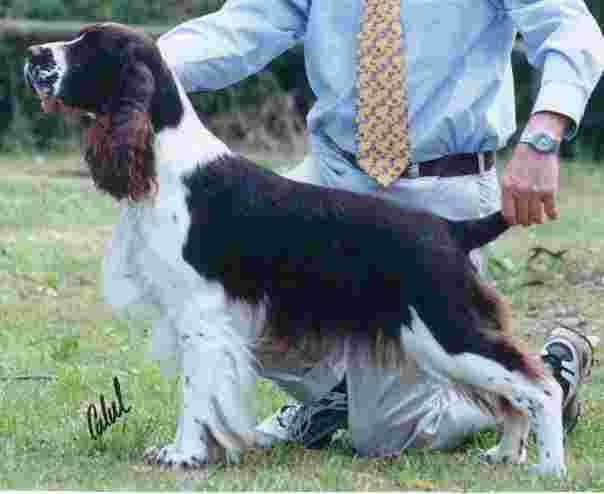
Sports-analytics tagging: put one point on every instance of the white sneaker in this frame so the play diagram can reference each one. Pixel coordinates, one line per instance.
(312, 424)
(278, 427)
(569, 354)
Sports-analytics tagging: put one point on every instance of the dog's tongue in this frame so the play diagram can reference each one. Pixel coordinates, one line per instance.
(49, 103)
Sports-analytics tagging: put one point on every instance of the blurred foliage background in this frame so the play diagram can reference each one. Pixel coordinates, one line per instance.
(23, 127)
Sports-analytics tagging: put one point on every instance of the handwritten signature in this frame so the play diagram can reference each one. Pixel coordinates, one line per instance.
(97, 425)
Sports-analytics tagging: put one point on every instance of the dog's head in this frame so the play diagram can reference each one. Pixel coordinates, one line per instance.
(115, 76)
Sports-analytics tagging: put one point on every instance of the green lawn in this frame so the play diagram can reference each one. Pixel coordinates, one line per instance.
(61, 348)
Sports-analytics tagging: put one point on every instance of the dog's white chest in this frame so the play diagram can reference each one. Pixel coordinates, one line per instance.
(143, 265)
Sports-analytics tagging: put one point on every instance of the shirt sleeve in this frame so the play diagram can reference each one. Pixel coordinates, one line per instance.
(564, 40)
(220, 49)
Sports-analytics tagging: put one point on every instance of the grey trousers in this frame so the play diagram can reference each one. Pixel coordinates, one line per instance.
(391, 408)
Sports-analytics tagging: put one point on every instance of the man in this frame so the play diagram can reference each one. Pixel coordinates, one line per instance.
(461, 110)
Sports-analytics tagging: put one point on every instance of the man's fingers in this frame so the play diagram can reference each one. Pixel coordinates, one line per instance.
(535, 209)
(528, 186)
(522, 209)
(550, 207)
(509, 207)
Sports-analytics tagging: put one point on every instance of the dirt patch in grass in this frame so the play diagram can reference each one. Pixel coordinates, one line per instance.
(570, 293)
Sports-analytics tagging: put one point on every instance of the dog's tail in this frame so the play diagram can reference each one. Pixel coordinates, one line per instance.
(495, 309)
(472, 234)
(467, 315)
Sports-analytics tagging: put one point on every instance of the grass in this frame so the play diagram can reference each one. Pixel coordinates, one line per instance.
(56, 332)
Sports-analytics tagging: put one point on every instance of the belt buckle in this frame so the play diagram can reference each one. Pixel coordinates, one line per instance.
(481, 163)
(412, 170)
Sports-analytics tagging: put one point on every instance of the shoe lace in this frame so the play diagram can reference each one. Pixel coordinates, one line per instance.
(562, 348)
(288, 412)
(302, 420)
(554, 361)
(585, 355)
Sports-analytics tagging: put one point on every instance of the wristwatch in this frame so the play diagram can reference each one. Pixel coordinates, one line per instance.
(540, 141)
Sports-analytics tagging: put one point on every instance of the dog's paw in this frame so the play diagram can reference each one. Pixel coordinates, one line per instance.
(499, 454)
(170, 456)
(557, 469)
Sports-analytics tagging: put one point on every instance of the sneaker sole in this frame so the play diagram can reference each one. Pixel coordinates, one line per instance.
(571, 413)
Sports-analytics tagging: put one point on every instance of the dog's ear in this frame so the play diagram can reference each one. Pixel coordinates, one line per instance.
(119, 143)
(134, 90)
(131, 140)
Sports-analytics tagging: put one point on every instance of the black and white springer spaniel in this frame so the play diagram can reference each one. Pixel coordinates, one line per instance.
(227, 252)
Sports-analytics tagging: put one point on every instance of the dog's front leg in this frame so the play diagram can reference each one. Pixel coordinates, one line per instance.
(218, 386)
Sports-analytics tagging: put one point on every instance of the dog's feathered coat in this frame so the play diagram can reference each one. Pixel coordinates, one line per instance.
(227, 251)
(337, 260)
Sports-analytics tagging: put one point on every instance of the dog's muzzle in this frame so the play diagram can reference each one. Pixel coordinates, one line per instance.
(40, 69)
(42, 75)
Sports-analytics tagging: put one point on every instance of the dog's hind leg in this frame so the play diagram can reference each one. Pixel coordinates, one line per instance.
(540, 398)
(512, 447)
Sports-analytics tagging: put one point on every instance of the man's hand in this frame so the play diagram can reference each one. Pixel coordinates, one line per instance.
(530, 179)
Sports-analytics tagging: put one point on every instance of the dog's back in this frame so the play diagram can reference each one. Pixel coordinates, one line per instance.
(337, 260)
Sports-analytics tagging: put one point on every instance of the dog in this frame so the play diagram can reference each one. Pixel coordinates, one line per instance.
(227, 253)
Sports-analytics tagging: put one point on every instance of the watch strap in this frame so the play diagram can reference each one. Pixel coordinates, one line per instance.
(540, 141)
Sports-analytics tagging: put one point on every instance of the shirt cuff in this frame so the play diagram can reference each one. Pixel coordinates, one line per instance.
(564, 98)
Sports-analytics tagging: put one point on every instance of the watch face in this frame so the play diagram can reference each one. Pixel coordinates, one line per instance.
(544, 142)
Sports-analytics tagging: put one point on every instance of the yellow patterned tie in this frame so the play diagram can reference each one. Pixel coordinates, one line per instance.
(382, 139)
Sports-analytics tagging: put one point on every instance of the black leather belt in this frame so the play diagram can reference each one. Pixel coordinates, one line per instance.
(452, 165)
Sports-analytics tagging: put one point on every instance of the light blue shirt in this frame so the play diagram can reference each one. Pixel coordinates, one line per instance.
(458, 55)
